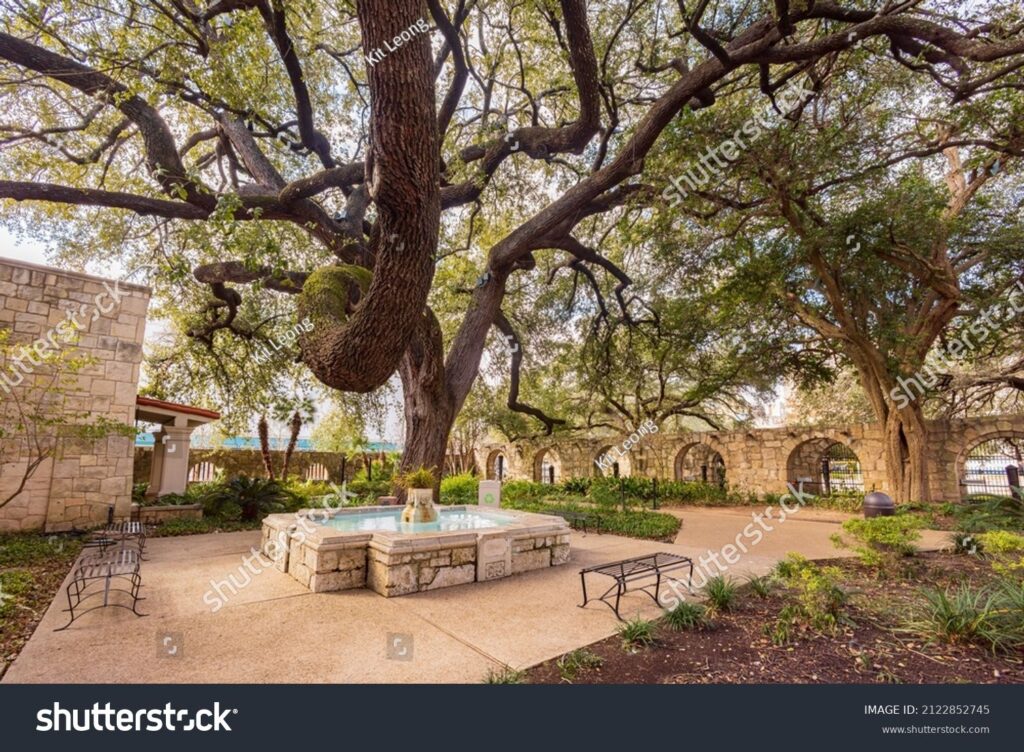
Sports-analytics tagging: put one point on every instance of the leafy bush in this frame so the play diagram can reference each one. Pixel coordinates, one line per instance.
(246, 498)
(570, 664)
(1001, 542)
(634, 524)
(721, 593)
(992, 615)
(27, 549)
(195, 493)
(983, 512)
(636, 633)
(13, 583)
(791, 566)
(880, 541)
(818, 600)
(965, 543)
(368, 491)
(307, 490)
(174, 528)
(504, 675)
(524, 491)
(1005, 549)
(459, 489)
(840, 501)
(686, 616)
(760, 586)
(576, 486)
(421, 477)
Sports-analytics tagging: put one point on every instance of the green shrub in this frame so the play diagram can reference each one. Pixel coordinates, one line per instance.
(791, 566)
(634, 524)
(840, 501)
(524, 491)
(246, 498)
(368, 491)
(576, 486)
(459, 489)
(880, 541)
(173, 528)
(570, 664)
(421, 477)
(721, 593)
(636, 633)
(504, 675)
(760, 586)
(1004, 549)
(26, 549)
(686, 616)
(12, 584)
(965, 543)
(991, 615)
(983, 512)
(1001, 542)
(818, 601)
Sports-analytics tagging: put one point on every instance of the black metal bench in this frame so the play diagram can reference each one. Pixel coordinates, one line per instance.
(631, 570)
(119, 534)
(121, 564)
(580, 520)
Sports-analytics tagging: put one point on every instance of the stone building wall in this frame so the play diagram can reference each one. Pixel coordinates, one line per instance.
(757, 460)
(76, 486)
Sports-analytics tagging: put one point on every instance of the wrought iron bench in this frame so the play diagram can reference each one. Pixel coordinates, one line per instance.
(104, 568)
(119, 534)
(632, 570)
(580, 520)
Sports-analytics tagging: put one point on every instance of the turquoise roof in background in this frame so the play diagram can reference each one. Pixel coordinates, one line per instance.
(253, 442)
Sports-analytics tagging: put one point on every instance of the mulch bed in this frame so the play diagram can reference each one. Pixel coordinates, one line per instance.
(737, 651)
(40, 567)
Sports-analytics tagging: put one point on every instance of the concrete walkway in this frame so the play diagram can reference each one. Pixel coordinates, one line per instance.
(274, 630)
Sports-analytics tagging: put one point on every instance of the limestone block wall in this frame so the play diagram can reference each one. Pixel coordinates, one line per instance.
(756, 460)
(250, 462)
(76, 486)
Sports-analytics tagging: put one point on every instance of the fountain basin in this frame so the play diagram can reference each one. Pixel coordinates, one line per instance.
(339, 549)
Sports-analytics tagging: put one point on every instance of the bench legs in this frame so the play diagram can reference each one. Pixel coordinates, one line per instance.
(622, 586)
(77, 594)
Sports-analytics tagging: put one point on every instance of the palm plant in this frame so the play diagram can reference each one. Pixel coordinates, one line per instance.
(254, 496)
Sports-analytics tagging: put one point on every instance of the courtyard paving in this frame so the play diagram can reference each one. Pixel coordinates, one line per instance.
(274, 630)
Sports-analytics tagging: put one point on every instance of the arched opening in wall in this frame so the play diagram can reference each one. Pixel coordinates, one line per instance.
(202, 472)
(608, 464)
(316, 471)
(547, 467)
(699, 462)
(994, 466)
(497, 465)
(824, 466)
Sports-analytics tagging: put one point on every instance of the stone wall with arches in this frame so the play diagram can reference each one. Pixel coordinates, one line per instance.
(760, 460)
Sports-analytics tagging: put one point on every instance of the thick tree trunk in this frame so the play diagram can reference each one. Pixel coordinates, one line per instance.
(905, 433)
(264, 433)
(429, 407)
(906, 453)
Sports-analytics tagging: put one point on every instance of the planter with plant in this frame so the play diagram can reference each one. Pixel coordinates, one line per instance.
(419, 501)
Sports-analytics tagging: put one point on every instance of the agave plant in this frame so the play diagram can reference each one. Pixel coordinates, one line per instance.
(254, 496)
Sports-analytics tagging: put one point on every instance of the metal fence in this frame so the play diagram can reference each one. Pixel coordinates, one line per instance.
(993, 467)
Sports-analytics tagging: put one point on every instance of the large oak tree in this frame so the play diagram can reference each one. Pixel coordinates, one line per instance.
(271, 150)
